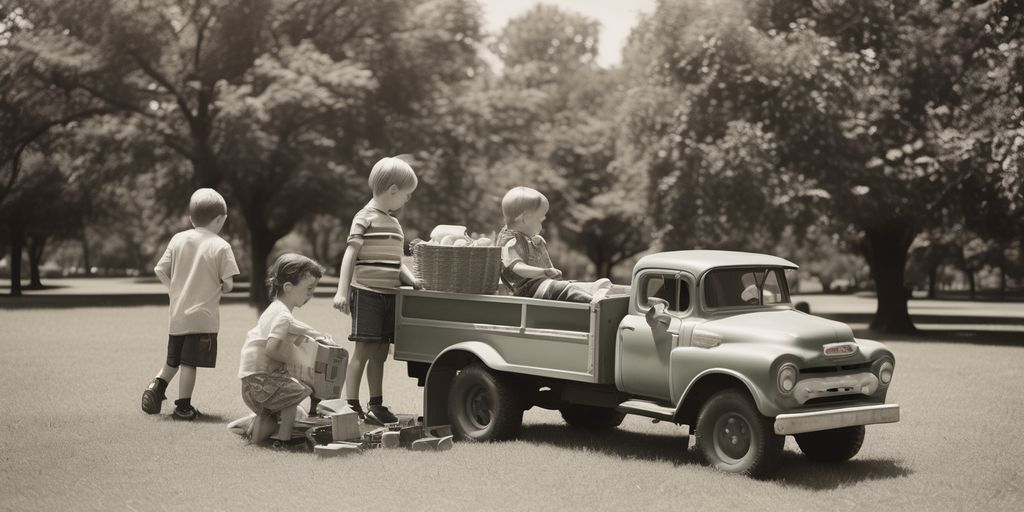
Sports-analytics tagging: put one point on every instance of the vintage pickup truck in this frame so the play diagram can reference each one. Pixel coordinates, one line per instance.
(707, 339)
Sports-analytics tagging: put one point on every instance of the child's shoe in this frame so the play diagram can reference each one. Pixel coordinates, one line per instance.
(153, 397)
(188, 413)
(381, 414)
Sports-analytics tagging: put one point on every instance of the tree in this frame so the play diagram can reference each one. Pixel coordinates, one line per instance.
(270, 100)
(842, 100)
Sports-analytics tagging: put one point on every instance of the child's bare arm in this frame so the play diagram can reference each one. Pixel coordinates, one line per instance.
(348, 263)
(280, 350)
(164, 278)
(163, 269)
(410, 279)
(227, 284)
(530, 272)
(303, 329)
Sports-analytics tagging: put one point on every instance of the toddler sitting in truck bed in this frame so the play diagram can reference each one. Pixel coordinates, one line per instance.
(525, 264)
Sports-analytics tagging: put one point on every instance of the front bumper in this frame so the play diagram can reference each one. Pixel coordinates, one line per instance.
(798, 423)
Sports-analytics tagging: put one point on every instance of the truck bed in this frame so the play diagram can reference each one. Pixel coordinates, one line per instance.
(546, 338)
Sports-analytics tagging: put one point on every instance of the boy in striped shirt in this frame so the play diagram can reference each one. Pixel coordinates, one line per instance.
(370, 272)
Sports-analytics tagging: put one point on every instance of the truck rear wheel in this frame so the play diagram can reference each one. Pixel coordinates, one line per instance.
(591, 418)
(483, 406)
(834, 445)
(733, 436)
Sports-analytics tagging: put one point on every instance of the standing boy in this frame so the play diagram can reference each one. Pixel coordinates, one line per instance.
(197, 267)
(370, 272)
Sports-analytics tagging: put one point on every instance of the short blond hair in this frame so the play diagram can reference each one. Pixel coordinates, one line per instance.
(391, 171)
(205, 206)
(522, 200)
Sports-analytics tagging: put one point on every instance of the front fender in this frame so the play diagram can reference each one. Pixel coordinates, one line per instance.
(749, 363)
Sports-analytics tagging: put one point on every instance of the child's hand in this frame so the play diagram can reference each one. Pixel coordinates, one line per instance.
(417, 284)
(553, 273)
(341, 303)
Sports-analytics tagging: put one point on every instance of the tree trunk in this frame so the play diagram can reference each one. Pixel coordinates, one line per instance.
(261, 243)
(933, 276)
(826, 284)
(1002, 275)
(36, 246)
(85, 250)
(885, 248)
(17, 233)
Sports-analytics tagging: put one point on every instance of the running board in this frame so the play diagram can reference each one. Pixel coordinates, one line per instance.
(649, 409)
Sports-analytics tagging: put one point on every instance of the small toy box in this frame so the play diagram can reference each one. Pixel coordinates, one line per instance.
(322, 367)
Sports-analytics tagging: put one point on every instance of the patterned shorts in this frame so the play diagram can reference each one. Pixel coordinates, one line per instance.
(269, 393)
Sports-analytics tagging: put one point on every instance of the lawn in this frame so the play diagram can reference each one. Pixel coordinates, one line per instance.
(73, 437)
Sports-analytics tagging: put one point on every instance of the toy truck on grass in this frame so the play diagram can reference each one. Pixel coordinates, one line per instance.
(706, 339)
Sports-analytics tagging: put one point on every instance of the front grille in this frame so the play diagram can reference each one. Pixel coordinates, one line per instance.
(838, 369)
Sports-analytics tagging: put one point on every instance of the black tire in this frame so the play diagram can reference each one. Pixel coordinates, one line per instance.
(591, 418)
(483, 406)
(836, 445)
(733, 436)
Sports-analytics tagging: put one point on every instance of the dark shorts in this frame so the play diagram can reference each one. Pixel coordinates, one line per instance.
(373, 316)
(198, 350)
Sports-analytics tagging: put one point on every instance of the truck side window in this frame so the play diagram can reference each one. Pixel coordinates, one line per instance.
(668, 288)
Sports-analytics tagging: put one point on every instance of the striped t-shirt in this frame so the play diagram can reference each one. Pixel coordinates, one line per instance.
(379, 260)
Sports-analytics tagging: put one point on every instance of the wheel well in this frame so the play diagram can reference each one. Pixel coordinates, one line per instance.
(701, 391)
(439, 381)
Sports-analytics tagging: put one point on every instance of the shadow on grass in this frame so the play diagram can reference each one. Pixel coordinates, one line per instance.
(794, 470)
(996, 338)
(616, 442)
(71, 301)
(29, 288)
(203, 418)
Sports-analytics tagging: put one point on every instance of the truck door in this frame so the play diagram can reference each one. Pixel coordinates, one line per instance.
(642, 365)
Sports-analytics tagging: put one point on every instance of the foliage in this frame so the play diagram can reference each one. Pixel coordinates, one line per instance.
(840, 112)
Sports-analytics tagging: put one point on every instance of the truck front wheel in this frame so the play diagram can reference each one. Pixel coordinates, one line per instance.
(591, 418)
(733, 436)
(483, 406)
(834, 445)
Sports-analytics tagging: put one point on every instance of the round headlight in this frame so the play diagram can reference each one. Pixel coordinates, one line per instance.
(787, 377)
(885, 372)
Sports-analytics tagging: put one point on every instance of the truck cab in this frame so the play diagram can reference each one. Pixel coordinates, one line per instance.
(706, 339)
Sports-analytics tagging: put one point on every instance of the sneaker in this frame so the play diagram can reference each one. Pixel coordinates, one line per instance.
(186, 414)
(152, 399)
(382, 414)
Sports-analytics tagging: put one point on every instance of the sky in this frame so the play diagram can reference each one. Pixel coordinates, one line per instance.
(617, 18)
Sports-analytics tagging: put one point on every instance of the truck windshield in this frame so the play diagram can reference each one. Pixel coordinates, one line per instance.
(745, 287)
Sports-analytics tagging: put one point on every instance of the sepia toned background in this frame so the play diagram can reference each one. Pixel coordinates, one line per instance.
(877, 144)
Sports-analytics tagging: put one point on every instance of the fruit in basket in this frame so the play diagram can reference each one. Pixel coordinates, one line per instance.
(449, 240)
(461, 242)
(483, 242)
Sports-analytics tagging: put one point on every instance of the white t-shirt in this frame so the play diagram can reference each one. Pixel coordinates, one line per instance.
(273, 323)
(196, 262)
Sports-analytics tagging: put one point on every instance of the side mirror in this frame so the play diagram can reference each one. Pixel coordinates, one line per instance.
(802, 306)
(657, 317)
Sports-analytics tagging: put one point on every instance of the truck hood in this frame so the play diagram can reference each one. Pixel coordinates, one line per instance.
(786, 327)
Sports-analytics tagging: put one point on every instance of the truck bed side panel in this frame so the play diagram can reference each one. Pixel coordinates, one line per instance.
(534, 337)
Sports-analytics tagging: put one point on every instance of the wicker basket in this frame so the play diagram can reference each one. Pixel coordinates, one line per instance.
(466, 269)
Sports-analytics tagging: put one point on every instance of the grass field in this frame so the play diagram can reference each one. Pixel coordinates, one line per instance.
(72, 437)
